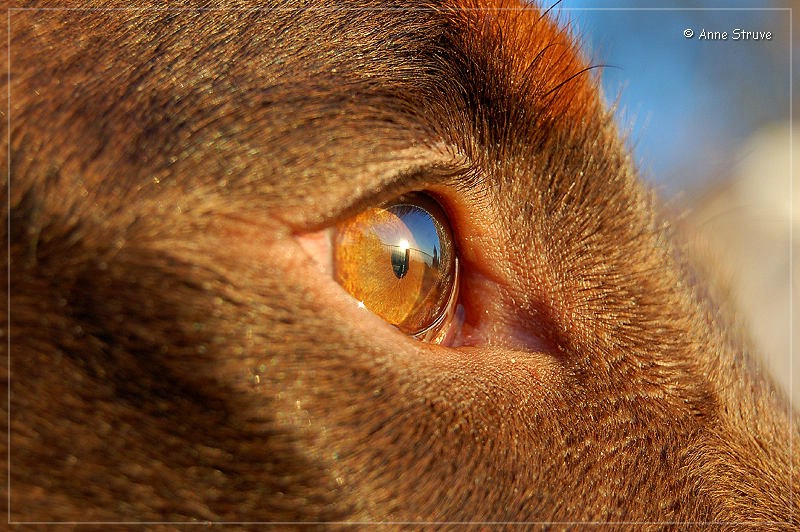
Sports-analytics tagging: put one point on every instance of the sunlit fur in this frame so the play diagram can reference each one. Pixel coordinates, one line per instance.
(174, 355)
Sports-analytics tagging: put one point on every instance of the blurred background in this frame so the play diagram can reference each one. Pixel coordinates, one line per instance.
(710, 124)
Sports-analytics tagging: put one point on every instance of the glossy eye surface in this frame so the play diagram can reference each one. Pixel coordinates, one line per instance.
(398, 260)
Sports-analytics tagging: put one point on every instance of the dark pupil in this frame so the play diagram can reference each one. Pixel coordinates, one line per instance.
(400, 260)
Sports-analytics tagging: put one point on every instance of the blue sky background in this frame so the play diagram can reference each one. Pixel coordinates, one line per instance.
(687, 104)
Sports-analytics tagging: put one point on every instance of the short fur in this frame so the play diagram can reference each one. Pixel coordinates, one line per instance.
(176, 356)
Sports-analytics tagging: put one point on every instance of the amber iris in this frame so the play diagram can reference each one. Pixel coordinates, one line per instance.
(398, 260)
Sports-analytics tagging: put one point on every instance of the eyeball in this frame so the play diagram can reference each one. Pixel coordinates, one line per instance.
(399, 261)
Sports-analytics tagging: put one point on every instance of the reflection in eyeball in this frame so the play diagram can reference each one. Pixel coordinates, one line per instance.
(399, 261)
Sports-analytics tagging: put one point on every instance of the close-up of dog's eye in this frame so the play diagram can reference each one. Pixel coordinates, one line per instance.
(430, 265)
(399, 261)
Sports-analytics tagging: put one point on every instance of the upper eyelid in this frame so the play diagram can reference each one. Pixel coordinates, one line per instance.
(434, 175)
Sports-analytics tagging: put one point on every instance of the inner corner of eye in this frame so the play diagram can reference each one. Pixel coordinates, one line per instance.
(318, 246)
(397, 260)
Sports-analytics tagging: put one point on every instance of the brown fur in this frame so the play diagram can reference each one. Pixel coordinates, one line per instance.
(176, 356)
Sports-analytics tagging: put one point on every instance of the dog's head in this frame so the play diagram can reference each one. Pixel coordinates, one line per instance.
(178, 353)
